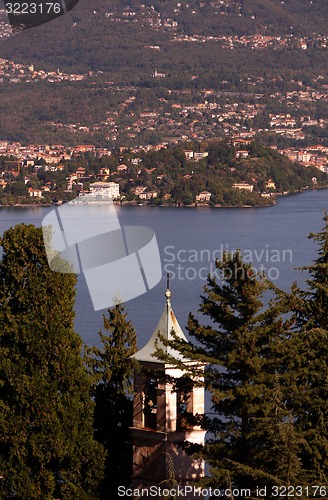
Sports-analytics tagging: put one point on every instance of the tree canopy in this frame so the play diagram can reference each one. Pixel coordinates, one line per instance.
(112, 369)
(47, 448)
(266, 356)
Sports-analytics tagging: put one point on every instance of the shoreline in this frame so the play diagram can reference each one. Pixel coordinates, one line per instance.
(135, 203)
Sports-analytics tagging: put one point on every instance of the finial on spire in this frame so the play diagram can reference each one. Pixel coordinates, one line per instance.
(168, 291)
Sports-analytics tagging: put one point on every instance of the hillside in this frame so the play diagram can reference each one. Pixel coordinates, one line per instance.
(247, 46)
(169, 176)
(108, 35)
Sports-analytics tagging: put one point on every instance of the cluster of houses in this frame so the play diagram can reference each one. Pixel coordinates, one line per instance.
(316, 156)
(15, 73)
(146, 16)
(79, 181)
(185, 121)
(257, 41)
(50, 154)
(201, 114)
(241, 113)
(285, 124)
(109, 190)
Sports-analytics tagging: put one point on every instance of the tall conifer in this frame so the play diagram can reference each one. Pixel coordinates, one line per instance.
(47, 448)
(113, 372)
(242, 344)
(307, 376)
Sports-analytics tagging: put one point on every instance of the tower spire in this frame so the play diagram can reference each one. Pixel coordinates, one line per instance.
(168, 291)
(166, 324)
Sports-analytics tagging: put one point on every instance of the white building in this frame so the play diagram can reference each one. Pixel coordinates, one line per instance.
(35, 193)
(204, 196)
(196, 156)
(149, 195)
(243, 185)
(200, 156)
(111, 189)
(242, 153)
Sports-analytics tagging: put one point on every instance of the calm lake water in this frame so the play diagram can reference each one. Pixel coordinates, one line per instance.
(189, 240)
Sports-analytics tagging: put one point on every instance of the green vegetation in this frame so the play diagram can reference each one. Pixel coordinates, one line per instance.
(267, 373)
(64, 426)
(47, 447)
(308, 371)
(174, 179)
(113, 371)
(116, 55)
(253, 426)
(266, 370)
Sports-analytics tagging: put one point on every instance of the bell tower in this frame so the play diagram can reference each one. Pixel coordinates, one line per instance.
(160, 423)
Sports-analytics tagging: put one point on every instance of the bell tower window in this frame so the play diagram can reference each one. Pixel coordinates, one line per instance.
(184, 391)
(150, 405)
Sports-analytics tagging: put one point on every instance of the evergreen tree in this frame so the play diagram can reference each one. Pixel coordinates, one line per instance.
(276, 441)
(47, 448)
(242, 345)
(307, 376)
(113, 371)
(316, 300)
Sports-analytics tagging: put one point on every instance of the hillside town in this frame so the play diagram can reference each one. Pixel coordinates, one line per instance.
(269, 103)
(187, 114)
(115, 118)
(53, 173)
(18, 73)
(257, 41)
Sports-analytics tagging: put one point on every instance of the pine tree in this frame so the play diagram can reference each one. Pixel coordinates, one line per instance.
(316, 303)
(307, 380)
(276, 441)
(47, 448)
(242, 345)
(307, 376)
(113, 372)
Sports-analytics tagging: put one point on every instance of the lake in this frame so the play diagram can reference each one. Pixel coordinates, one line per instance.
(190, 239)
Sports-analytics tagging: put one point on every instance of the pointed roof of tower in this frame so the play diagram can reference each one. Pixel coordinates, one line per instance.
(166, 324)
